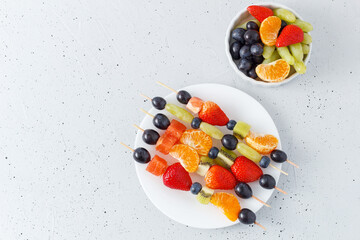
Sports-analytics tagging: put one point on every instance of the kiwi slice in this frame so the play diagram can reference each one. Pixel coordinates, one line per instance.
(223, 160)
(230, 154)
(204, 195)
(241, 129)
(205, 159)
(203, 168)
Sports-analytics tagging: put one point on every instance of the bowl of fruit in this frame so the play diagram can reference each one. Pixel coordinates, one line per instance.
(268, 44)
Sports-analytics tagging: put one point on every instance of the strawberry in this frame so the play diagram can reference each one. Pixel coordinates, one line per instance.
(176, 177)
(246, 170)
(259, 12)
(219, 178)
(291, 34)
(212, 114)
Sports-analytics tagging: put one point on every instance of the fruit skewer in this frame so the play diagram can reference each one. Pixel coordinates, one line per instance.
(244, 129)
(176, 177)
(152, 135)
(227, 140)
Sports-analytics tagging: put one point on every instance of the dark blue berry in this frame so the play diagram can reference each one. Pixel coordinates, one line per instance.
(213, 153)
(161, 121)
(278, 156)
(238, 35)
(267, 181)
(256, 49)
(252, 36)
(283, 24)
(150, 136)
(195, 188)
(246, 216)
(264, 161)
(258, 59)
(243, 190)
(252, 25)
(252, 73)
(195, 123)
(231, 124)
(245, 51)
(141, 155)
(229, 141)
(158, 103)
(245, 65)
(235, 50)
(183, 97)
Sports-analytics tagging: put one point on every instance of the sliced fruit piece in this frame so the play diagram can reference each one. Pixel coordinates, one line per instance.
(165, 143)
(244, 24)
(291, 34)
(157, 166)
(228, 204)
(296, 51)
(300, 67)
(179, 112)
(305, 48)
(263, 144)
(204, 195)
(268, 51)
(198, 140)
(269, 30)
(248, 152)
(241, 129)
(211, 130)
(203, 168)
(195, 104)
(186, 155)
(205, 159)
(285, 54)
(230, 154)
(212, 114)
(176, 129)
(246, 170)
(275, 56)
(273, 72)
(305, 26)
(176, 177)
(285, 15)
(260, 12)
(219, 178)
(224, 160)
(307, 39)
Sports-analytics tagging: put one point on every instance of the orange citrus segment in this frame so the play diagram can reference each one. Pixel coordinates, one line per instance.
(198, 140)
(269, 30)
(263, 144)
(275, 71)
(187, 156)
(228, 204)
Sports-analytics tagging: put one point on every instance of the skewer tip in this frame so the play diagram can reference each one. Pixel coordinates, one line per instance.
(295, 165)
(260, 225)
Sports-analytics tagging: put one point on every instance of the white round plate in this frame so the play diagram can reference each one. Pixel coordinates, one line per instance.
(182, 206)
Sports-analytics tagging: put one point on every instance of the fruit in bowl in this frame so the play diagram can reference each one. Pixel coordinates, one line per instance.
(270, 46)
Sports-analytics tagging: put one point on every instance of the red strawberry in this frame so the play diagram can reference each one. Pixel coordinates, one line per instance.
(212, 114)
(219, 178)
(246, 170)
(259, 12)
(291, 34)
(176, 177)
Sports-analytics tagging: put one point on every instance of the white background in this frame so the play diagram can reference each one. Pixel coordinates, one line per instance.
(70, 76)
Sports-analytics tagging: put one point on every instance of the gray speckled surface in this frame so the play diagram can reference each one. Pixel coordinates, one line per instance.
(71, 72)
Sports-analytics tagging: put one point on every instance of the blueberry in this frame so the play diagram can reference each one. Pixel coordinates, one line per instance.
(278, 156)
(196, 122)
(267, 181)
(158, 103)
(256, 49)
(141, 155)
(258, 59)
(252, 25)
(238, 35)
(243, 190)
(183, 97)
(246, 216)
(195, 188)
(161, 121)
(245, 51)
(229, 141)
(231, 124)
(244, 65)
(150, 136)
(252, 36)
(235, 49)
(252, 73)
(264, 162)
(213, 153)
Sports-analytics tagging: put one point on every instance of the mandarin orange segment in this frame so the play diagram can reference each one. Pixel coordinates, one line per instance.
(269, 30)
(275, 71)
(263, 144)
(186, 155)
(198, 140)
(228, 204)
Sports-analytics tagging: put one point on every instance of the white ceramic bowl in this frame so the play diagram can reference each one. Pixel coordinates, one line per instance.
(240, 18)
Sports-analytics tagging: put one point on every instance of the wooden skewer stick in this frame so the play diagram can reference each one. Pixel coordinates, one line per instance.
(165, 86)
(127, 146)
(143, 95)
(280, 190)
(283, 172)
(292, 163)
(136, 126)
(260, 225)
(261, 201)
(147, 113)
